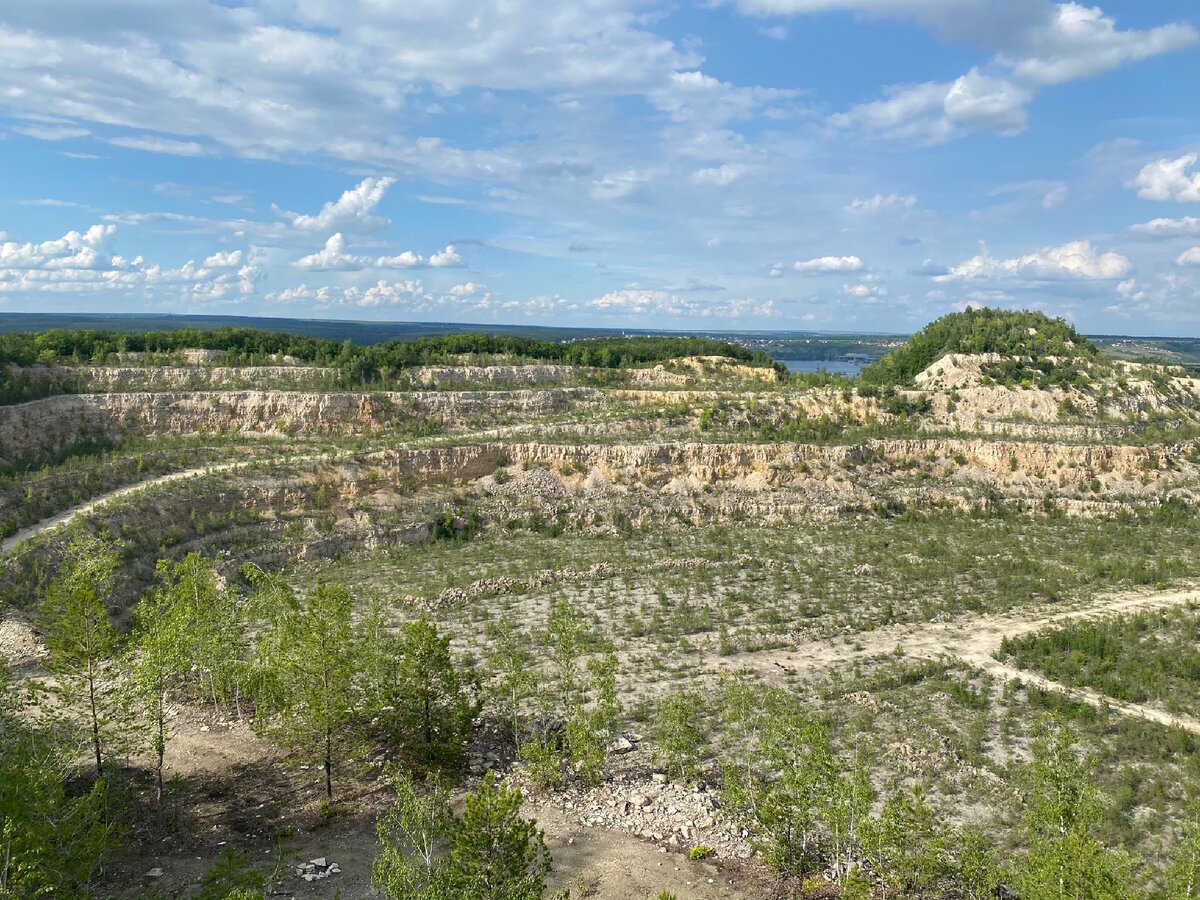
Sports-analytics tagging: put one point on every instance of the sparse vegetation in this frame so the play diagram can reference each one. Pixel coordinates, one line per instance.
(696, 607)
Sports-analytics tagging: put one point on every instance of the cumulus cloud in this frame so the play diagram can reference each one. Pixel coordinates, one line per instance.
(446, 259)
(881, 202)
(865, 291)
(933, 113)
(410, 294)
(80, 262)
(350, 212)
(1069, 43)
(639, 302)
(466, 289)
(1076, 259)
(1188, 226)
(823, 265)
(74, 250)
(1169, 179)
(227, 259)
(333, 257)
(1081, 42)
(1190, 257)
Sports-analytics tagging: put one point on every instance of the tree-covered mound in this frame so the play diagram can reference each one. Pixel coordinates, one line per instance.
(1032, 341)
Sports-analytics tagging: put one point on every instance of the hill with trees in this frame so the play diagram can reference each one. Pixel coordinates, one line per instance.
(1033, 336)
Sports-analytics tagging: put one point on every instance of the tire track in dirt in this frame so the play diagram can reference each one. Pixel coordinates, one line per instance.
(974, 640)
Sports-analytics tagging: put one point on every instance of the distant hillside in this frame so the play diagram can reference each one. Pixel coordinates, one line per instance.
(329, 329)
(1047, 344)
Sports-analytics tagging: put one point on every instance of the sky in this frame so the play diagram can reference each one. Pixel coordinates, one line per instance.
(712, 165)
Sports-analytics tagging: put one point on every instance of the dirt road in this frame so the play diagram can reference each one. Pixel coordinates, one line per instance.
(63, 518)
(974, 640)
(27, 534)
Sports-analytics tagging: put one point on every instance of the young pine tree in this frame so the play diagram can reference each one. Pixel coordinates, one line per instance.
(308, 661)
(81, 638)
(53, 842)
(186, 638)
(433, 698)
(513, 662)
(490, 853)
(1062, 811)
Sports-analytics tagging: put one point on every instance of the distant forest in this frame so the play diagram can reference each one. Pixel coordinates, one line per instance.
(359, 365)
(247, 345)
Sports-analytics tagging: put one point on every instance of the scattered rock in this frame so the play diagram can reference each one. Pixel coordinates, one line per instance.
(620, 744)
(317, 869)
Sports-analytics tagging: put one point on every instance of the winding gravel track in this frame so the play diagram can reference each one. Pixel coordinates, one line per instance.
(974, 640)
(67, 516)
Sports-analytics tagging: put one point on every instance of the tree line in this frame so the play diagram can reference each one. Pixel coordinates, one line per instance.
(363, 362)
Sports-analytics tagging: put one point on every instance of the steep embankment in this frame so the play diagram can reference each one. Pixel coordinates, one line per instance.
(42, 425)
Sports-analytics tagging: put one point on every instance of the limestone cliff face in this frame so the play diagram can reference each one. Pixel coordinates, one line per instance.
(43, 425)
(773, 465)
(450, 376)
(1109, 394)
(129, 378)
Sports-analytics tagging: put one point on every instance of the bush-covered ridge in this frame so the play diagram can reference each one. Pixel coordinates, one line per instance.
(250, 345)
(1032, 335)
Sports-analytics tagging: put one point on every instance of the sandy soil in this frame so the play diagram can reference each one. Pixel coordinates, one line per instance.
(236, 790)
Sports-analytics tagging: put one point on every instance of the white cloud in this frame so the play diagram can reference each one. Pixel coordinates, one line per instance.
(446, 259)
(227, 259)
(1065, 42)
(1055, 197)
(1188, 226)
(909, 113)
(636, 302)
(332, 257)
(152, 144)
(700, 100)
(51, 132)
(80, 263)
(1076, 259)
(278, 78)
(466, 289)
(1189, 257)
(1081, 42)
(865, 291)
(74, 250)
(1169, 179)
(976, 100)
(933, 113)
(881, 202)
(720, 176)
(388, 293)
(828, 264)
(350, 212)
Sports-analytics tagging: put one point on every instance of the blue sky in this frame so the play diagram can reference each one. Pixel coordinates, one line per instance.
(755, 164)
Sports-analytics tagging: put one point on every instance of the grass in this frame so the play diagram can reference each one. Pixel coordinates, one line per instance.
(1148, 657)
